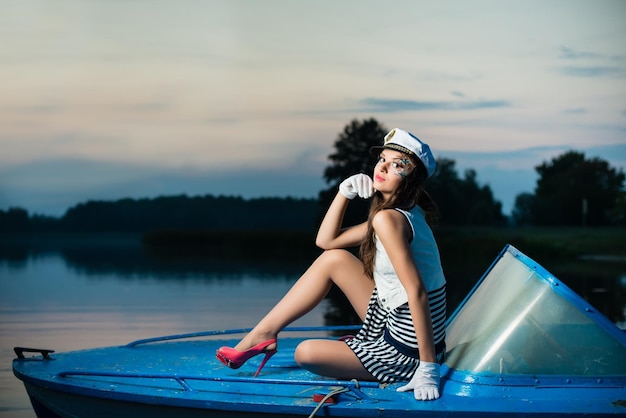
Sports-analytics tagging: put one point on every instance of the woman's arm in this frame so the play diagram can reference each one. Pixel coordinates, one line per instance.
(330, 234)
(394, 232)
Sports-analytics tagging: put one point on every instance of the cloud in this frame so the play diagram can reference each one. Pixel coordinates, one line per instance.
(572, 54)
(145, 107)
(575, 111)
(35, 109)
(600, 65)
(528, 158)
(593, 71)
(372, 104)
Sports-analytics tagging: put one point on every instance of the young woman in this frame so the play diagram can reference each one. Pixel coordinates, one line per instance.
(397, 286)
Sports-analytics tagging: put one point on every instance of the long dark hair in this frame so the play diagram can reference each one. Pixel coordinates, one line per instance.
(410, 193)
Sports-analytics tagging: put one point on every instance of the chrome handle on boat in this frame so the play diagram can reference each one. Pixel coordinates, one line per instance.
(19, 351)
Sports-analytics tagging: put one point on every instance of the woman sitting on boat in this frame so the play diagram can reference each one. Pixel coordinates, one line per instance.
(396, 286)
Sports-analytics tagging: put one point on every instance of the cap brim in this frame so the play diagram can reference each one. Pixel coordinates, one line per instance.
(378, 148)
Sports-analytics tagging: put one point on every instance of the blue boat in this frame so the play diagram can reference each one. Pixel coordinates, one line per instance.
(520, 344)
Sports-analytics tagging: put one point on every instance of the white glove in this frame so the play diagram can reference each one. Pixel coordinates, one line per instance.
(425, 382)
(357, 185)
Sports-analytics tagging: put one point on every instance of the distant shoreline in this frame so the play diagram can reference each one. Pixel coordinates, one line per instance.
(590, 244)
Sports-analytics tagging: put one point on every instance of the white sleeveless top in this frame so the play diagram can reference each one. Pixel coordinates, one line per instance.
(423, 246)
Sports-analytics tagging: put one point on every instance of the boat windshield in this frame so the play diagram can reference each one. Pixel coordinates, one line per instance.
(521, 320)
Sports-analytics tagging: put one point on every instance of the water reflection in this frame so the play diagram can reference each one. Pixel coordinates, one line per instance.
(602, 284)
(75, 296)
(134, 262)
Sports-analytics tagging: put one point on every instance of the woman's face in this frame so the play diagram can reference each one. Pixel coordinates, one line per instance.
(392, 167)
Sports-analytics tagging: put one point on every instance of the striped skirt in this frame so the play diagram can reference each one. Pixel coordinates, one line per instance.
(386, 344)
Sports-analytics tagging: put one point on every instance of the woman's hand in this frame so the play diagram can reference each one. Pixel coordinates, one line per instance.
(357, 185)
(332, 234)
(425, 382)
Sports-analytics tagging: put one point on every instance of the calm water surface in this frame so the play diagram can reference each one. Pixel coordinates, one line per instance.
(84, 297)
(48, 302)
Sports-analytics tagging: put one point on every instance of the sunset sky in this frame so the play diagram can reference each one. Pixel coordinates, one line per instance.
(106, 99)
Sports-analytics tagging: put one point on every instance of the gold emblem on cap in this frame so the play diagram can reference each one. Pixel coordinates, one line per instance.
(390, 135)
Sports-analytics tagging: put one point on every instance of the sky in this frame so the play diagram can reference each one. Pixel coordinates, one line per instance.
(109, 99)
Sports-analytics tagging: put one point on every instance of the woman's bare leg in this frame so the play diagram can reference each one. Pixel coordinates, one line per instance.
(331, 358)
(332, 266)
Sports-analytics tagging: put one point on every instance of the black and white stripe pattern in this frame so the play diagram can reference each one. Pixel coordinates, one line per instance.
(383, 359)
(437, 301)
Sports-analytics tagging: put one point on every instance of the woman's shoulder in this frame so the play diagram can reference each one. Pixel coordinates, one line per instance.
(387, 214)
(395, 213)
(389, 219)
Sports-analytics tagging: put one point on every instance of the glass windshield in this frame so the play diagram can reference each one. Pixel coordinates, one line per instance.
(516, 323)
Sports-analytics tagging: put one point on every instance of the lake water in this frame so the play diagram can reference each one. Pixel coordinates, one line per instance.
(81, 298)
(48, 301)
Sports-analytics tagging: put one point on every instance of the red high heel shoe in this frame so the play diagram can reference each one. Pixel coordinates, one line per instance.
(235, 358)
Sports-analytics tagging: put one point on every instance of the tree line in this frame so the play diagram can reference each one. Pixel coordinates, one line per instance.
(182, 212)
(574, 190)
(571, 190)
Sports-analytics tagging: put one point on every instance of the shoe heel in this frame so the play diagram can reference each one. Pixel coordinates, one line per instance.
(235, 358)
(268, 355)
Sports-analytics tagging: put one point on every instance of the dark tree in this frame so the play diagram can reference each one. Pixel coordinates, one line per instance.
(618, 214)
(351, 156)
(463, 201)
(14, 219)
(523, 210)
(183, 212)
(352, 147)
(572, 190)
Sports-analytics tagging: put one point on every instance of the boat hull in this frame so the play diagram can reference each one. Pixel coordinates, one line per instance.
(183, 378)
(54, 404)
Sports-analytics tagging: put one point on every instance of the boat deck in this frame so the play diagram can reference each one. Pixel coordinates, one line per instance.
(170, 375)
